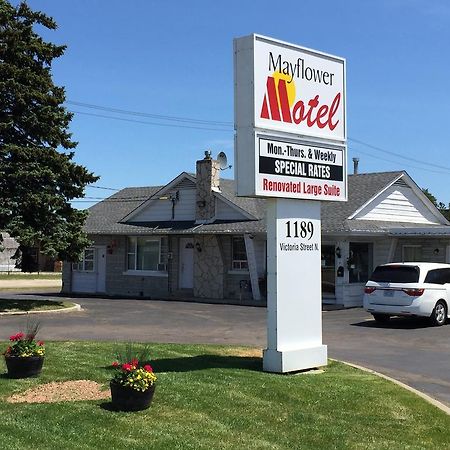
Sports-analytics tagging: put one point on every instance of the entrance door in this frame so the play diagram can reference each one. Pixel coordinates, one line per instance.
(186, 270)
(89, 275)
(101, 269)
(328, 271)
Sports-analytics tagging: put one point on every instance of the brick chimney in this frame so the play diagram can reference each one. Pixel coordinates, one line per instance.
(207, 173)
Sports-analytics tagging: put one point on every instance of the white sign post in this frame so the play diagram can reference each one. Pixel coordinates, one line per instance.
(294, 313)
(290, 147)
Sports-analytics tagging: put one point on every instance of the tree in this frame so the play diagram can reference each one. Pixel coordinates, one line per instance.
(430, 196)
(38, 177)
(445, 210)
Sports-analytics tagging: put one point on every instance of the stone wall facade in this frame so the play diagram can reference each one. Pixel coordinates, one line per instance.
(208, 268)
(207, 177)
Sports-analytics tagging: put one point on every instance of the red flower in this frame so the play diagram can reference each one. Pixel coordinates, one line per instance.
(127, 367)
(16, 337)
(148, 368)
(115, 364)
(40, 343)
(134, 362)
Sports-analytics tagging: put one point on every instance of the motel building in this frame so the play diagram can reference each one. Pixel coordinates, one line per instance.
(193, 238)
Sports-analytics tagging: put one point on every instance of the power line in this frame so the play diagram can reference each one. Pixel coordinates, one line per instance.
(148, 123)
(398, 155)
(398, 162)
(102, 187)
(150, 115)
(224, 124)
(112, 200)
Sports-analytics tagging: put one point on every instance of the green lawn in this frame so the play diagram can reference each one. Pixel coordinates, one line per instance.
(8, 305)
(30, 276)
(212, 397)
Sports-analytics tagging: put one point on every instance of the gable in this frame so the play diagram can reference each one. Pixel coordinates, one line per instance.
(176, 202)
(224, 211)
(398, 203)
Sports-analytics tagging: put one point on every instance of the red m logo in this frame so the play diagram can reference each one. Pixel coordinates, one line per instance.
(271, 101)
(276, 107)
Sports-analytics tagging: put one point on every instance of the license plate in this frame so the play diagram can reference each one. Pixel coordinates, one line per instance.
(389, 293)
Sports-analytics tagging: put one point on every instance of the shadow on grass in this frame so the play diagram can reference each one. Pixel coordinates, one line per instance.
(202, 362)
(27, 305)
(108, 406)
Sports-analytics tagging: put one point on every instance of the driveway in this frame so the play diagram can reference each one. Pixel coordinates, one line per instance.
(409, 351)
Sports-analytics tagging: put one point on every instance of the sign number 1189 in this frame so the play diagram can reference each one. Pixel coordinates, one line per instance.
(303, 229)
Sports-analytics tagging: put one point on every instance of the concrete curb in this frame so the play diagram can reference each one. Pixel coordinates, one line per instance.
(426, 397)
(76, 307)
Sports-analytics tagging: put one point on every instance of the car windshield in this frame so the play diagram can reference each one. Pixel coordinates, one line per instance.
(396, 274)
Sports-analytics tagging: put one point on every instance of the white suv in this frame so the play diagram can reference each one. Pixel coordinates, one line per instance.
(409, 289)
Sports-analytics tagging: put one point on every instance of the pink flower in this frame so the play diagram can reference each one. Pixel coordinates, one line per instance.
(40, 343)
(127, 367)
(115, 364)
(148, 368)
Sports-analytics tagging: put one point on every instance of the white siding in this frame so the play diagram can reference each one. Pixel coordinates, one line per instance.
(9, 249)
(398, 204)
(161, 210)
(226, 212)
(381, 252)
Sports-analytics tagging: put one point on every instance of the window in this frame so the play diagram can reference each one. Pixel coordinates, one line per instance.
(239, 254)
(411, 253)
(359, 262)
(438, 276)
(147, 253)
(396, 274)
(87, 263)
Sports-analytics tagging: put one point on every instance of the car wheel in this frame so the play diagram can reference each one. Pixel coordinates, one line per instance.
(439, 314)
(382, 318)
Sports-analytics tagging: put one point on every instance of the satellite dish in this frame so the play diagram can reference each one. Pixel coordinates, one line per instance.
(223, 161)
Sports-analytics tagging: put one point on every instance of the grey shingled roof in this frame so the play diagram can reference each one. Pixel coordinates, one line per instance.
(107, 216)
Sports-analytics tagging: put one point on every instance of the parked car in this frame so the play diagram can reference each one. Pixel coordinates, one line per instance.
(409, 289)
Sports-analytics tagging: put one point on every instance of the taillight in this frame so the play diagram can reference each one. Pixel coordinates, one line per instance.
(369, 289)
(414, 292)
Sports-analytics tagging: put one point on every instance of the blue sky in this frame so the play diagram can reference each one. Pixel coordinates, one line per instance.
(176, 59)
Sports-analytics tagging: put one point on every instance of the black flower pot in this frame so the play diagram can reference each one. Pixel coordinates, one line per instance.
(24, 366)
(125, 398)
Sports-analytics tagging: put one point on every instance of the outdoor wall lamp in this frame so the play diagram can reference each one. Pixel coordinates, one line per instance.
(111, 246)
(338, 252)
(198, 247)
(436, 251)
(201, 203)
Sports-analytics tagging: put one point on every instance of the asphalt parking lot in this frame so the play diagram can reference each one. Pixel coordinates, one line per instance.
(408, 350)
